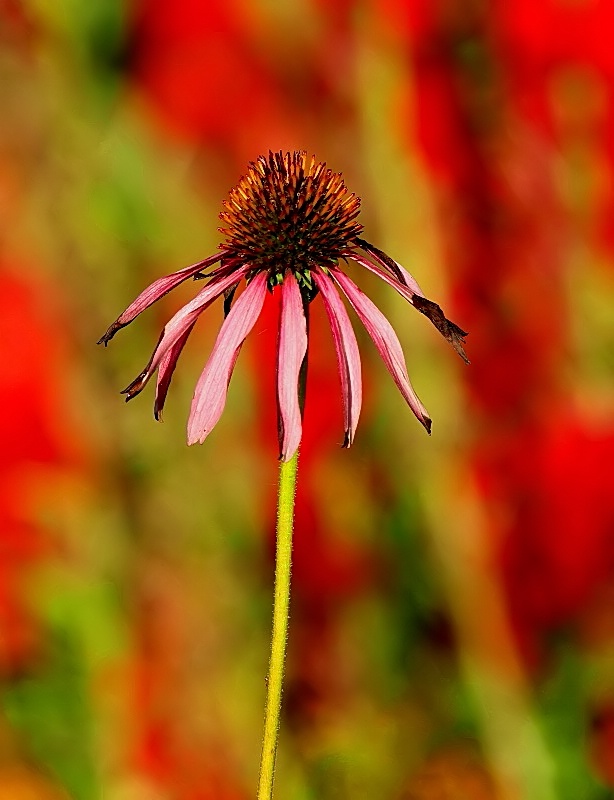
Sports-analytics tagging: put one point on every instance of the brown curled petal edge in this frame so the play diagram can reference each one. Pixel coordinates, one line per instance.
(136, 387)
(449, 330)
(141, 380)
(110, 332)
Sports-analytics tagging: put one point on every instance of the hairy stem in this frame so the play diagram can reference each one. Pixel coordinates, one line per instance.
(275, 677)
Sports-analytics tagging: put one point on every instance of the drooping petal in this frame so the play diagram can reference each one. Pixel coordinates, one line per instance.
(154, 292)
(348, 356)
(180, 325)
(386, 341)
(166, 369)
(291, 349)
(409, 289)
(404, 290)
(212, 387)
(391, 266)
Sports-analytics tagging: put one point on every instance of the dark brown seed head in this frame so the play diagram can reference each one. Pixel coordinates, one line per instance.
(289, 212)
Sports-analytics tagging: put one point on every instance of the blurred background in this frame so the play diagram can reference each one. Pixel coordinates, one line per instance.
(452, 632)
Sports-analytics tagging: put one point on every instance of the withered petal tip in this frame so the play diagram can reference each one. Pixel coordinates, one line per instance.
(110, 332)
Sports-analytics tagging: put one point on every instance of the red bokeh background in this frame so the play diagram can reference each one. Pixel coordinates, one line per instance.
(509, 110)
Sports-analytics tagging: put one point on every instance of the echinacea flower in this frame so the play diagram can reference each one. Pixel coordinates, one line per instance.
(288, 224)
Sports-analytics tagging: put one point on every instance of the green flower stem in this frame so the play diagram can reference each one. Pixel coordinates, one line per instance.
(281, 605)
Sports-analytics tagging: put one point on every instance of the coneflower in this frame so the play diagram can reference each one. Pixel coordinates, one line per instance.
(288, 224)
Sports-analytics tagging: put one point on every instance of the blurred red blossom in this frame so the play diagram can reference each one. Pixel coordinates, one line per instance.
(539, 42)
(38, 442)
(485, 124)
(558, 544)
(210, 74)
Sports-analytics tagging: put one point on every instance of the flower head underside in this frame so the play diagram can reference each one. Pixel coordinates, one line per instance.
(287, 225)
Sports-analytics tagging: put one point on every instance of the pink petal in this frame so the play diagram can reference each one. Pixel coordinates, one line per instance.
(291, 350)
(408, 290)
(212, 387)
(391, 266)
(180, 325)
(412, 292)
(386, 341)
(166, 369)
(154, 292)
(348, 356)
